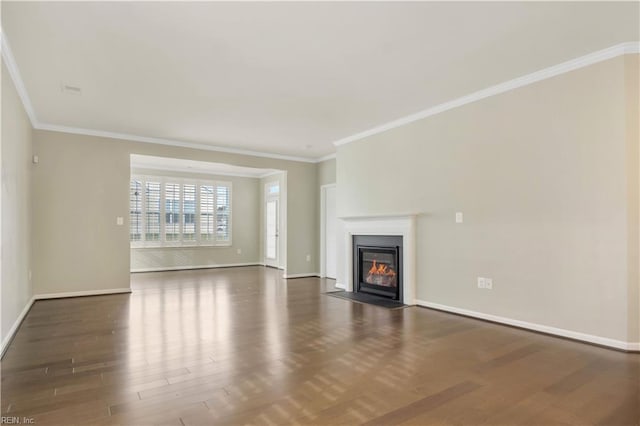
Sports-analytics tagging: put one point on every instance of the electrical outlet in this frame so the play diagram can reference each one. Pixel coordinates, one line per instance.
(488, 283)
(308, 258)
(239, 251)
(482, 283)
(119, 221)
(459, 217)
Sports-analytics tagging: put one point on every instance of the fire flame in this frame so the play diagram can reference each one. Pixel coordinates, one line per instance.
(381, 269)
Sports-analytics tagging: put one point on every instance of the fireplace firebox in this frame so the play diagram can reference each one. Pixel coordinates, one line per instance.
(377, 261)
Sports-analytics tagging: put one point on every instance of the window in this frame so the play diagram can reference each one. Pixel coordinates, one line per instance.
(206, 213)
(222, 213)
(135, 213)
(189, 212)
(273, 188)
(152, 219)
(172, 212)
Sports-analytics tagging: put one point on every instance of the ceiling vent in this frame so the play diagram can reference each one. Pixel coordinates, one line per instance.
(70, 90)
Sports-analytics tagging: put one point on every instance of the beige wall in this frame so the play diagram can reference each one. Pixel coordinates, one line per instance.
(78, 191)
(81, 186)
(632, 92)
(302, 207)
(542, 177)
(327, 176)
(15, 151)
(327, 172)
(245, 209)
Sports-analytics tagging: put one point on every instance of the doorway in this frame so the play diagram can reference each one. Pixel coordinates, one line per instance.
(328, 237)
(272, 224)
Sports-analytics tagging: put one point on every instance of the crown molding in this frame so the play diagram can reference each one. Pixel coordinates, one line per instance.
(145, 170)
(14, 72)
(273, 173)
(9, 60)
(174, 143)
(574, 64)
(326, 157)
(543, 74)
(170, 142)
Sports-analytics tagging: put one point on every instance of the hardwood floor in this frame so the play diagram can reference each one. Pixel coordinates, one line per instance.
(243, 346)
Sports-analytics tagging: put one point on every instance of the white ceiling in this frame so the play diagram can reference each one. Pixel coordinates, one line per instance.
(286, 78)
(200, 167)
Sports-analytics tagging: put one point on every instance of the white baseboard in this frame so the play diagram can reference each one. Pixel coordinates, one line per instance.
(598, 340)
(340, 285)
(185, 268)
(15, 326)
(634, 347)
(272, 267)
(81, 293)
(23, 314)
(309, 274)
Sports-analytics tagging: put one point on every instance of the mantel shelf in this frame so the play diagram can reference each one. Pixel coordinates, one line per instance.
(383, 216)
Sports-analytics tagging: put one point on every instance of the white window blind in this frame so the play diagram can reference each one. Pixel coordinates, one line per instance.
(206, 212)
(172, 212)
(189, 212)
(223, 213)
(152, 213)
(179, 212)
(135, 213)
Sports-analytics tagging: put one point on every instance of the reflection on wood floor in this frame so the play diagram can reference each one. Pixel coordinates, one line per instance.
(243, 346)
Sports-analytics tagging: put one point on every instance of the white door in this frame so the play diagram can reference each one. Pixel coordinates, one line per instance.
(271, 237)
(330, 231)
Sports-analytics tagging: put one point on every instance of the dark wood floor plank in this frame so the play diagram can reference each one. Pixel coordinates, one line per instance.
(243, 346)
(425, 404)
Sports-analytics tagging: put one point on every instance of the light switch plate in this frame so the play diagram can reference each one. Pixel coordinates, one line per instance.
(459, 217)
(119, 221)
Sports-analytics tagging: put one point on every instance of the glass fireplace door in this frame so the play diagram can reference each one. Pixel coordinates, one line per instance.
(378, 271)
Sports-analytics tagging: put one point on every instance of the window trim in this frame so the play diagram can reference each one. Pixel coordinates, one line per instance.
(162, 242)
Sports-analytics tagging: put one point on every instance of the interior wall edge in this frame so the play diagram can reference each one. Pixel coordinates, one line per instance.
(16, 325)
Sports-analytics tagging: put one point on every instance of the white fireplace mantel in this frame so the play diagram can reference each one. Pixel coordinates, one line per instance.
(403, 225)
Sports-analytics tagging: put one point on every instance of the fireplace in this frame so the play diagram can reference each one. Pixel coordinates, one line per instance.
(377, 261)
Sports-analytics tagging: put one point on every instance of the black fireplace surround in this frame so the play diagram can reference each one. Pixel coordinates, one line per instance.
(377, 265)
